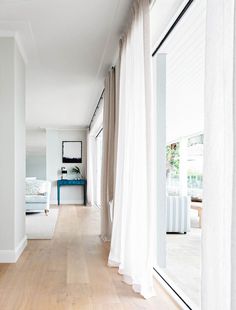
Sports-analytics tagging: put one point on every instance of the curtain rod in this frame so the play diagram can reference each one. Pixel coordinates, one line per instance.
(177, 20)
(99, 101)
(152, 2)
(97, 106)
(99, 132)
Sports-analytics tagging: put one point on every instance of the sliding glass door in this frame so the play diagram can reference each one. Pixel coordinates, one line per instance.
(178, 67)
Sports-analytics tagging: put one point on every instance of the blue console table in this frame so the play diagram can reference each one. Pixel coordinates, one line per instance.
(64, 182)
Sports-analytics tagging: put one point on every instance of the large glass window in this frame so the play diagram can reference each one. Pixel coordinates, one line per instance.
(195, 167)
(179, 82)
(172, 167)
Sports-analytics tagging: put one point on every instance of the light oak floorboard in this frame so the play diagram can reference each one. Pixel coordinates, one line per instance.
(70, 272)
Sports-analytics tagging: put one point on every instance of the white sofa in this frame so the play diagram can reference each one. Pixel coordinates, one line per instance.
(178, 214)
(37, 195)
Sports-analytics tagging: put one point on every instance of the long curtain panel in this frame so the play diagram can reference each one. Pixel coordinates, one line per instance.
(108, 169)
(92, 154)
(92, 167)
(91, 170)
(219, 212)
(134, 201)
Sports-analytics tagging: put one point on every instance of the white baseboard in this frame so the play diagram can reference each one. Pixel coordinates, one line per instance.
(68, 202)
(20, 248)
(11, 256)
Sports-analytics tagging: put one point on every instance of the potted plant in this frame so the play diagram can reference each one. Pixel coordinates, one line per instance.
(77, 171)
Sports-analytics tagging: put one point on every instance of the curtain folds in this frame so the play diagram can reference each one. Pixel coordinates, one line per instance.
(91, 171)
(108, 166)
(92, 154)
(219, 213)
(132, 232)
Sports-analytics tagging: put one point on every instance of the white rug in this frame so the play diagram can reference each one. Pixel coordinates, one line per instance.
(40, 226)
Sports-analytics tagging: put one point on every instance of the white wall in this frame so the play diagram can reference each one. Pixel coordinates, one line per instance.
(7, 158)
(36, 165)
(19, 147)
(12, 160)
(54, 138)
(36, 140)
(36, 153)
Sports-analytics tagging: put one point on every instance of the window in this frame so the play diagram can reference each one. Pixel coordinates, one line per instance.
(172, 167)
(195, 167)
(178, 73)
(194, 161)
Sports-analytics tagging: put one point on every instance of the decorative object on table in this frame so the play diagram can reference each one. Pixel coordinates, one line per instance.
(72, 151)
(63, 172)
(76, 170)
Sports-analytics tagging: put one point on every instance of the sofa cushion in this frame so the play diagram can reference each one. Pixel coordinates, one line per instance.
(30, 178)
(35, 187)
(35, 198)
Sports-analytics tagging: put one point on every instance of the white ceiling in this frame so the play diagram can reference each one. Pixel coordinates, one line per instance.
(69, 45)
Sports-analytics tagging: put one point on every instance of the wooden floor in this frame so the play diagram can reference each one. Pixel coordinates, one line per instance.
(70, 272)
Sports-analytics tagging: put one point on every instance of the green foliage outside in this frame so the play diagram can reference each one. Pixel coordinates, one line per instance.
(172, 157)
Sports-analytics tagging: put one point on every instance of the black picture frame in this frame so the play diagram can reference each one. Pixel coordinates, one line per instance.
(72, 152)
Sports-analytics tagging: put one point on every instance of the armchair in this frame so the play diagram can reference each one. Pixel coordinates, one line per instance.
(37, 196)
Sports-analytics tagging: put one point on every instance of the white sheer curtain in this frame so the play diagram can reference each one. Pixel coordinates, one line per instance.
(92, 155)
(219, 213)
(132, 233)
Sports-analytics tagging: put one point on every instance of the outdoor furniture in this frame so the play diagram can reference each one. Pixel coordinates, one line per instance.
(197, 206)
(178, 219)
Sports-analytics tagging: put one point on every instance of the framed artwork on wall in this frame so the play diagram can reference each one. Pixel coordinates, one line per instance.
(72, 151)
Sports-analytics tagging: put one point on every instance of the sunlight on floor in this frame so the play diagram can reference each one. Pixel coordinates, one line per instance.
(184, 260)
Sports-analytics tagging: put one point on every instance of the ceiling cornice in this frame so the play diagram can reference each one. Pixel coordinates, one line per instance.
(15, 35)
(84, 128)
